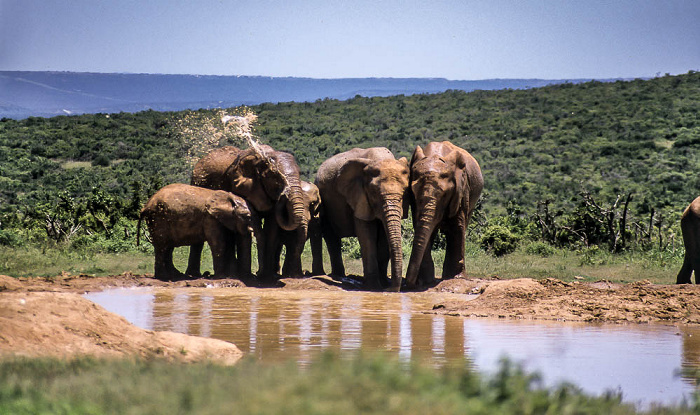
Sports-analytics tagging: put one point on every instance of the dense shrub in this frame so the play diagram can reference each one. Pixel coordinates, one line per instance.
(499, 240)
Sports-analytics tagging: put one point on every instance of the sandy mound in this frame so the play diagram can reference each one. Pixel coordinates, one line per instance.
(552, 299)
(65, 325)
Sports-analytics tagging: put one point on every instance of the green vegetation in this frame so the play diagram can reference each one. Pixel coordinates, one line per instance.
(581, 168)
(367, 385)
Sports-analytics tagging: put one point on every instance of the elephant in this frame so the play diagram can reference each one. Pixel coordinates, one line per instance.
(294, 241)
(446, 183)
(180, 214)
(364, 194)
(690, 228)
(269, 180)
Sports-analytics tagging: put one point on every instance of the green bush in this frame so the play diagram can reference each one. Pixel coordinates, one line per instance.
(10, 237)
(499, 240)
(542, 249)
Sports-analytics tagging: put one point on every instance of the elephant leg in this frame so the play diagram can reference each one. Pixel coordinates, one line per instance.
(426, 271)
(164, 268)
(219, 252)
(455, 234)
(686, 271)
(333, 244)
(316, 249)
(231, 260)
(195, 260)
(691, 261)
(294, 243)
(367, 236)
(383, 257)
(244, 246)
(266, 260)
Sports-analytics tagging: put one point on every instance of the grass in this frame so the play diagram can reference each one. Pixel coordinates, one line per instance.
(656, 266)
(330, 385)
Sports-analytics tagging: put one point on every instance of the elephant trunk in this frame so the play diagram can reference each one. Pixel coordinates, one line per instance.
(290, 211)
(423, 231)
(393, 214)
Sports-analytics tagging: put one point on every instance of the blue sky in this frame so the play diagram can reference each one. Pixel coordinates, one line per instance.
(333, 39)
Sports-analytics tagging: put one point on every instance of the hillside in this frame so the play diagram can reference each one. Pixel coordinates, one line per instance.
(46, 94)
(537, 145)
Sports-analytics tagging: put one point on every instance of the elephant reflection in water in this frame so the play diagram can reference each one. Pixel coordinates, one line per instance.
(690, 227)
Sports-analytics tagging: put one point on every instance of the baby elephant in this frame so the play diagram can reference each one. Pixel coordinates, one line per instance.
(180, 215)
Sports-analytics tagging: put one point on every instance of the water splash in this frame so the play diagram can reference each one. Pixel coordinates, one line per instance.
(203, 131)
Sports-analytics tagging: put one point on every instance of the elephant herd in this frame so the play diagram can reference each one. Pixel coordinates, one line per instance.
(236, 194)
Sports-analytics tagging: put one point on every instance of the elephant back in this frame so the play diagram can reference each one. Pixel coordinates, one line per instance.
(210, 170)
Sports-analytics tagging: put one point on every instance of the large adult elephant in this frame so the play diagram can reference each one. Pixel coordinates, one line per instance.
(269, 180)
(690, 227)
(446, 183)
(294, 241)
(180, 215)
(364, 195)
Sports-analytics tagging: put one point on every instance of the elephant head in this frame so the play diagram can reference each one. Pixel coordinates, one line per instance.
(233, 212)
(446, 183)
(376, 189)
(269, 180)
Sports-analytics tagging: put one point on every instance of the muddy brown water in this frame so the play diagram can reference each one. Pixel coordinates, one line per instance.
(640, 361)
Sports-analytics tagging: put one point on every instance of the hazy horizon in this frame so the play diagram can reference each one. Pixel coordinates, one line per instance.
(330, 39)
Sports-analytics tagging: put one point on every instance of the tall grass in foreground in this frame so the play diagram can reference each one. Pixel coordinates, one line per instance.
(535, 260)
(330, 385)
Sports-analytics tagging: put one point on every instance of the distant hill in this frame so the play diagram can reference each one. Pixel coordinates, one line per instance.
(47, 94)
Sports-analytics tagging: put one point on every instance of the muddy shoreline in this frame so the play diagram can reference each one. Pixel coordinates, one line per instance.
(48, 316)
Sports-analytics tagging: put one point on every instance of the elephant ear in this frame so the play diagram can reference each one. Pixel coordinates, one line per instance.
(461, 196)
(418, 155)
(407, 195)
(222, 207)
(241, 173)
(243, 178)
(351, 184)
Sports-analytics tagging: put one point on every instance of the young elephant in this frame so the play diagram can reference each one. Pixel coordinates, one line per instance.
(180, 215)
(364, 195)
(690, 227)
(446, 183)
(294, 241)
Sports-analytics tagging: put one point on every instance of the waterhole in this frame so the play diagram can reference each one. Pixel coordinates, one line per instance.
(643, 362)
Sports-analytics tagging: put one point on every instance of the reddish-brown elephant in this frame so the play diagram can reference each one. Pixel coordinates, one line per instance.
(269, 180)
(364, 195)
(690, 227)
(294, 241)
(446, 183)
(181, 215)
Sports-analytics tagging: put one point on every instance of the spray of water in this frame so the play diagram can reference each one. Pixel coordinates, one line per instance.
(201, 132)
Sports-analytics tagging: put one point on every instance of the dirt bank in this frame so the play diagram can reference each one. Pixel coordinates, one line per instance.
(551, 299)
(56, 322)
(47, 316)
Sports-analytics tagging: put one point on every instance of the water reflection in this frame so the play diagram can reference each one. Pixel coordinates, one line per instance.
(640, 360)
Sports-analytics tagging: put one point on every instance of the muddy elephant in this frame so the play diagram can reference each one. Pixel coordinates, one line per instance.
(364, 195)
(269, 180)
(181, 215)
(294, 241)
(690, 228)
(446, 183)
